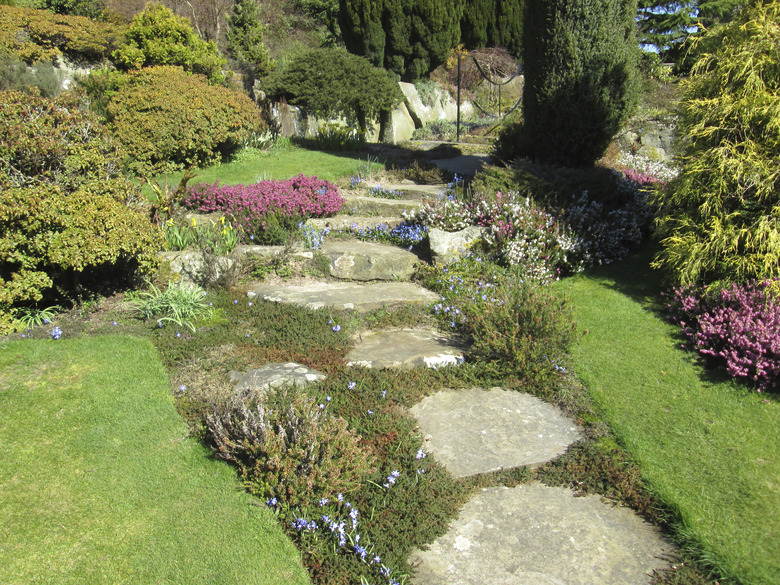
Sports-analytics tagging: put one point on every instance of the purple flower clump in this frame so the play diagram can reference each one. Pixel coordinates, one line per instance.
(738, 326)
(248, 205)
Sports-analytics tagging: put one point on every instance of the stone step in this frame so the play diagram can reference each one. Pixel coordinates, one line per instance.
(365, 261)
(411, 190)
(364, 205)
(353, 223)
(405, 348)
(345, 295)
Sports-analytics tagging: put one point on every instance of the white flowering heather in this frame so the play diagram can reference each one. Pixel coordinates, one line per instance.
(446, 212)
(644, 165)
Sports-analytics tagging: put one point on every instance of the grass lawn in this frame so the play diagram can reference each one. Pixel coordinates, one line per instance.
(100, 482)
(252, 165)
(709, 448)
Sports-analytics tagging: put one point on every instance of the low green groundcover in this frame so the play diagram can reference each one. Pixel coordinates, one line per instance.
(100, 482)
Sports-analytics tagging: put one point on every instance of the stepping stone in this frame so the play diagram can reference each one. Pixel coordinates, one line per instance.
(273, 376)
(466, 164)
(355, 260)
(353, 223)
(478, 431)
(405, 348)
(346, 295)
(537, 535)
(364, 205)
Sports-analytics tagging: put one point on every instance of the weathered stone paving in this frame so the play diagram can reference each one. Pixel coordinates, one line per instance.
(345, 295)
(537, 535)
(405, 348)
(478, 431)
(272, 376)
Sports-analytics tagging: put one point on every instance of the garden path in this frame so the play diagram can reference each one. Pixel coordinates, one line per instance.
(526, 535)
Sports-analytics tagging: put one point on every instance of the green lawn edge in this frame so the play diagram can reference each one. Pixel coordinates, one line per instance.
(100, 482)
(707, 447)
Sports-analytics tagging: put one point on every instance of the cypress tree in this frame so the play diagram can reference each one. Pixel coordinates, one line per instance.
(580, 77)
(408, 37)
(493, 23)
(245, 38)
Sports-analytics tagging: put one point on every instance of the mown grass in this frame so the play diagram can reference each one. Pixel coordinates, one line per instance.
(706, 446)
(252, 165)
(100, 482)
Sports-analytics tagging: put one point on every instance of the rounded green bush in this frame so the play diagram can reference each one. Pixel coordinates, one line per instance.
(67, 228)
(168, 119)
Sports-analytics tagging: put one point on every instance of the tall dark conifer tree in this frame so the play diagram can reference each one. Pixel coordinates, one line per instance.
(580, 77)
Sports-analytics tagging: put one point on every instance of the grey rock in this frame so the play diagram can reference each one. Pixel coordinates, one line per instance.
(478, 431)
(405, 348)
(346, 295)
(537, 535)
(274, 376)
(363, 261)
(398, 126)
(447, 246)
(189, 264)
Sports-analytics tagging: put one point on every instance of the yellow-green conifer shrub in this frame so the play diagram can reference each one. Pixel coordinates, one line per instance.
(69, 222)
(168, 119)
(720, 218)
(39, 35)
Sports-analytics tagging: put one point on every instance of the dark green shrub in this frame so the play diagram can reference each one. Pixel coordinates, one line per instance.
(493, 23)
(287, 447)
(580, 80)
(39, 35)
(66, 230)
(88, 8)
(331, 82)
(719, 218)
(168, 119)
(409, 37)
(158, 37)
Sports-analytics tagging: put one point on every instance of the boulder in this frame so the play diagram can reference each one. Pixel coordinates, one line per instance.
(397, 126)
(447, 246)
(364, 261)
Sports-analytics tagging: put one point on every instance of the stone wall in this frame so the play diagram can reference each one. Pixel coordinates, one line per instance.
(395, 127)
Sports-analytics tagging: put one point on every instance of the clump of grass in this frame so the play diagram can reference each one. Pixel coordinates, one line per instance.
(180, 303)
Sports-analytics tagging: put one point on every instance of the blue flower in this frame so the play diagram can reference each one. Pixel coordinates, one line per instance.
(271, 502)
(56, 333)
(336, 328)
(351, 385)
(360, 551)
(182, 388)
(420, 454)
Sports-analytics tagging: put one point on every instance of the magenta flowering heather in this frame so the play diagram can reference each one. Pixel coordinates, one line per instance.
(738, 326)
(299, 196)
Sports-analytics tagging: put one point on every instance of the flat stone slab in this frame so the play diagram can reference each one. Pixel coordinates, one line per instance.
(537, 535)
(353, 223)
(273, 376)
(356, 260)
(365, 205)
(415, 192)
(405, 348)
(478, 431)
(346, 295)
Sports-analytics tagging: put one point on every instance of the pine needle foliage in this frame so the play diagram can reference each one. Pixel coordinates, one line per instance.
(720, 219)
